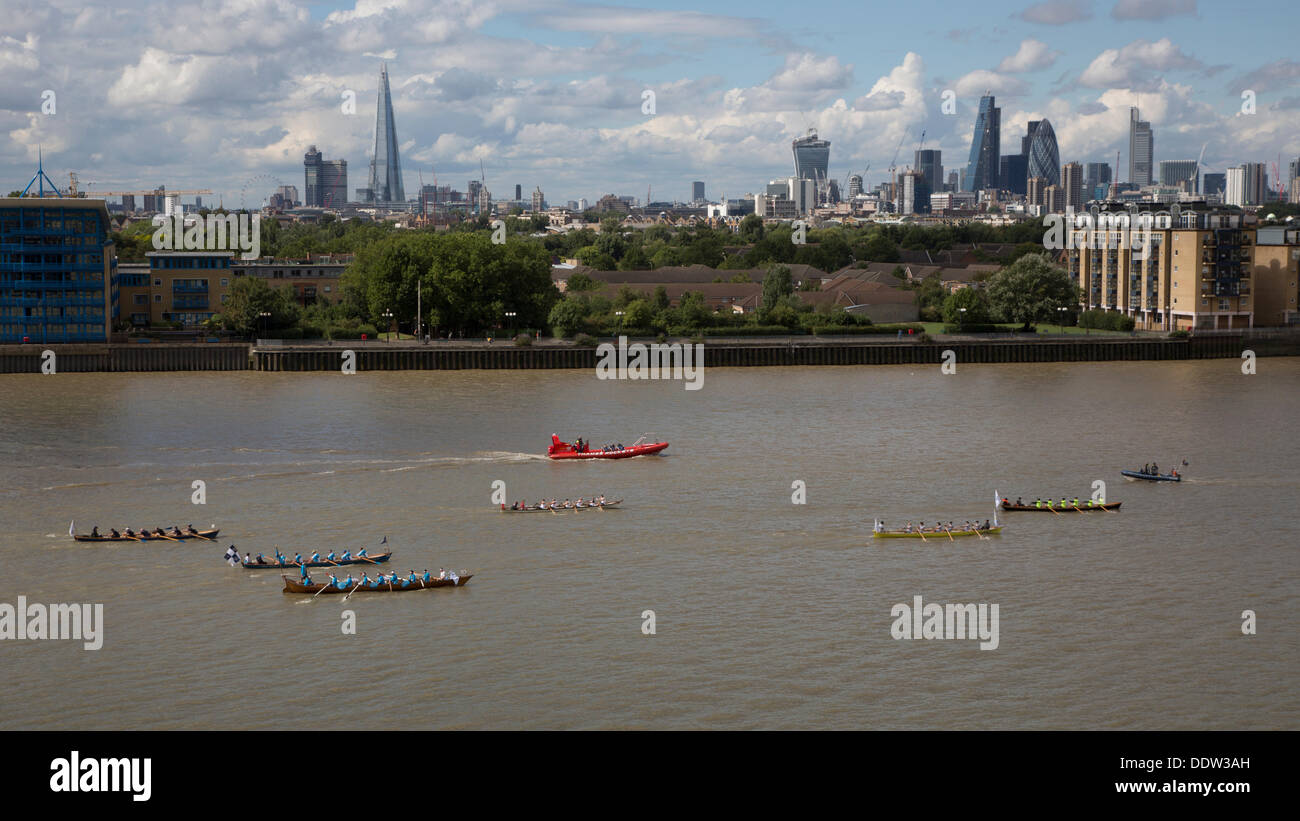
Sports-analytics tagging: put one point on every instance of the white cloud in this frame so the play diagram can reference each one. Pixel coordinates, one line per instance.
(1033, 55)
(1129, 66)
(1152, 9)
(982, 81)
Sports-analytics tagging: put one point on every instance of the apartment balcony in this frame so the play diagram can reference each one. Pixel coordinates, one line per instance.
(179, 288)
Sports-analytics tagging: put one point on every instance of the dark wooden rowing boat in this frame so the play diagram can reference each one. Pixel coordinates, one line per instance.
(612, 503)
(202, 534)
(1082, 508)
(291, 586)
(275, 565)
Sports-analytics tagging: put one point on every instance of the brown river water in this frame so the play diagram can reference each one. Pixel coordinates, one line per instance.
(768, 614)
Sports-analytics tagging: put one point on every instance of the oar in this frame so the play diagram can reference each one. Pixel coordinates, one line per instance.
(323, 588)
(950, 538)
(350, 592)
(197, 535)
(1054, 510)
(921, 533)
(165, 536)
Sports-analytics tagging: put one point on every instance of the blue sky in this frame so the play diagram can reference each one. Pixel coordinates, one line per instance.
(227, 94)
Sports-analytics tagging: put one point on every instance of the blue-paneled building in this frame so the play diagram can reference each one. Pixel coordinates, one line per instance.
(57, 270)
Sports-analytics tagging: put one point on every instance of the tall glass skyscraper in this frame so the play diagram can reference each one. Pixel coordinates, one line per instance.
(812, 158)
(985, 148)
(1044, 159)
(1141, 149)
(385, 165)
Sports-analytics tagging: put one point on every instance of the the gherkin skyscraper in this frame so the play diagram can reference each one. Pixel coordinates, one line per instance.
(385, 165)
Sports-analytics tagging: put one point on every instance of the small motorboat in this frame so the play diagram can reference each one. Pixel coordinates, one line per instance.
(563, 450)
(1173, 476)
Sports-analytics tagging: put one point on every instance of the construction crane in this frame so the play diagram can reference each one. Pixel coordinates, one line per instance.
(893, 164)
(73, 190)
(1196, 170)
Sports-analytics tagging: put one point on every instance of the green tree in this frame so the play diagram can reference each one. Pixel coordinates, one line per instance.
(751, 228)
(1030, 290)
(250, 297)
(582, 282)
(974, 300)
(777, 283)
(660, 301)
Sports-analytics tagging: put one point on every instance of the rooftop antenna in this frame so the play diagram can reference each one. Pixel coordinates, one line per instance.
(40, 178)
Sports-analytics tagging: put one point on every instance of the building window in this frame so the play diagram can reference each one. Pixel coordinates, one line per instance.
(141, 299)
(157, 282)
(157, 297)
(224, 282)
(225, 298)
(1205, 303)
(1223, 305)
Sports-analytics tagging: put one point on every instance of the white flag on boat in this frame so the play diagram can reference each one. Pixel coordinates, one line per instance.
(997, 503)
(72, 530)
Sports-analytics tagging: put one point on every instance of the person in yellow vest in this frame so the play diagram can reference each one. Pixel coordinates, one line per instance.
(1076, 501)
(1038, 503)
(1064, 502)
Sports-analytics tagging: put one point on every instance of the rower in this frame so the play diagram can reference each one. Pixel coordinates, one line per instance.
(1076, 501)
(1155, 469)
(1063, 502)
(130, 533)
(426, 578)
(567, 504)
(347, 555)
(297, 558)
(361, 554)
(986, 524)
(260, 559)
(315, 557)
(579, 504)
(190, 529)
(94, 531)
(334, 580)
(1038, 503)
(1019, 503)
(412, 579)
(303, 572)
(351, 581)
(247, 560)
(442, 574)
(330, 557)
(366, 581)
(114, 534)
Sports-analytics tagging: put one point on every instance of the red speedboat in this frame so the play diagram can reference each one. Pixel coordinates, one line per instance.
(564, 450)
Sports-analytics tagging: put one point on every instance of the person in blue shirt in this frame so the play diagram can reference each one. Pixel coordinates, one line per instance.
(303, 571)
(361, 554)
(297, 558)
(410, 580)
(315, 557)
(347, 554)
(426, 577)
(334, 581)
(330, 557)
(350, 583)
(278, 557)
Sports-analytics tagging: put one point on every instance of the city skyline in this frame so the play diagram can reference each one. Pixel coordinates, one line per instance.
(554, 97)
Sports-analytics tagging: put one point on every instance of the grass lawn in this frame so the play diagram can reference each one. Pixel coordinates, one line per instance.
(936, 328)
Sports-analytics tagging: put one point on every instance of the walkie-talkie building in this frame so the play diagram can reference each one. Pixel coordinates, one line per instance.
(985, 148)
(385, 165)
(812, 158)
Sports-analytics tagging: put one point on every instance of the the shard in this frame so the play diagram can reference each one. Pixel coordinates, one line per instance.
(385, 165)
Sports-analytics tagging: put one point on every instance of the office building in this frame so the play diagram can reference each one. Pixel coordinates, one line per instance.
(1179, 174)
(1072, 185)
(697, 191)
(1044, 158)
(1141, 149)
(1212, 184)
(985, 149)
(58, 270)
(930, 163)
(1246, 184)
(1034, 191)
(1013, 173)
(855, 185)
(385, 184)
(1095, 174)
(539, 201)
(913, 193)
